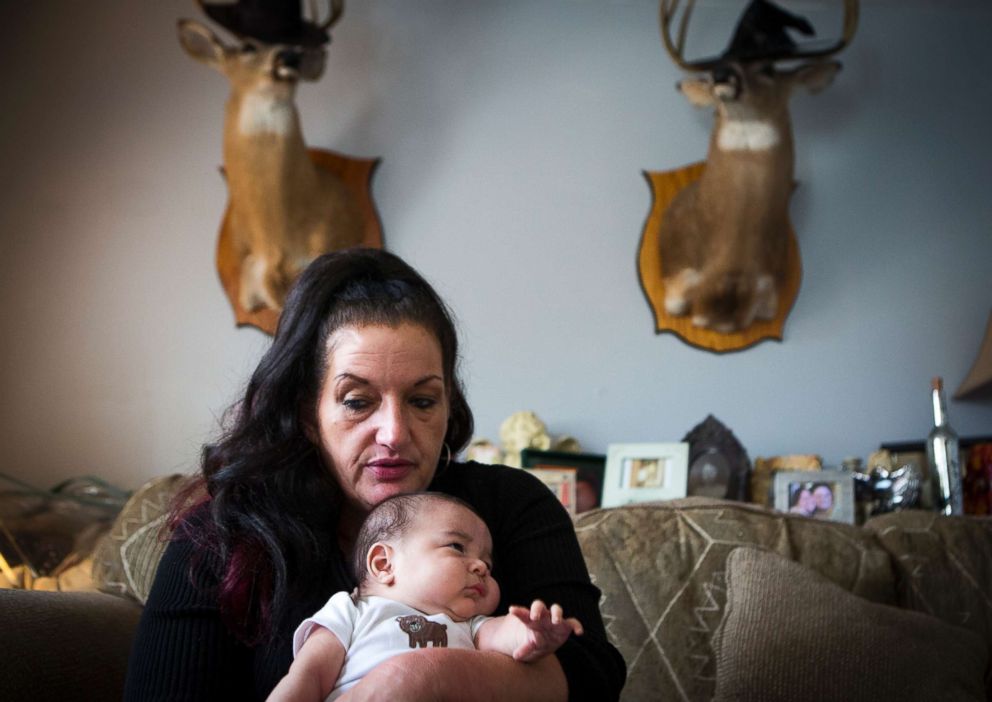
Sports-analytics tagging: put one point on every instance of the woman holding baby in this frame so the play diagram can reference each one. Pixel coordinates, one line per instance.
(357, 400)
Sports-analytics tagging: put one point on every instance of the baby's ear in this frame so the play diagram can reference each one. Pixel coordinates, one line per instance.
(379, 563)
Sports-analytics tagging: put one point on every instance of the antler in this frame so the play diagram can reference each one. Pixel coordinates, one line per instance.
(336, 8)
(851, 9)
(676, 48)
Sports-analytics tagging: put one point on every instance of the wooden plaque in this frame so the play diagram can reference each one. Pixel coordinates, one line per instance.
(665, 185)
(357, 176)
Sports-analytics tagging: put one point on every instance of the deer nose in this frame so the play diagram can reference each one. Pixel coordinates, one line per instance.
(290, 58)
(286, 65)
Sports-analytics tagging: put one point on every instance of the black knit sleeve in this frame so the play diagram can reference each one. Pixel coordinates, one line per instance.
(536, 556)
(182, 651)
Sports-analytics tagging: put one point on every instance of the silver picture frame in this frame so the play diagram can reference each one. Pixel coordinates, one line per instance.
(645, 472)
(819, 494)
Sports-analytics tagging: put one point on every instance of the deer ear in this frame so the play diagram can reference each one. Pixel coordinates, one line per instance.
(200, 43)
(816, 76)
(379, 563)
(698, 91)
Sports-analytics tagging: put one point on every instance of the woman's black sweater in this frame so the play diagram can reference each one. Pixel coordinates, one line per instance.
(183, 650)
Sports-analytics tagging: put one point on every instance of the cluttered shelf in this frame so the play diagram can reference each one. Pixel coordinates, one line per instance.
(709, 461)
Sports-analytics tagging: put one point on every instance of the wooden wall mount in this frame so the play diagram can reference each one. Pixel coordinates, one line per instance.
(665, 185)
(357, 176)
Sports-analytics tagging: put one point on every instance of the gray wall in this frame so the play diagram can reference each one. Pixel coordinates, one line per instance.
(513, 135)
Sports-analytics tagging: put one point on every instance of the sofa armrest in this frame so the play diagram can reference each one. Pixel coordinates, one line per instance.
(64, 645)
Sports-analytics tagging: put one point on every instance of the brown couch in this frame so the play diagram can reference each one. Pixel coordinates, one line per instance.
(705, 599)
(714, 600)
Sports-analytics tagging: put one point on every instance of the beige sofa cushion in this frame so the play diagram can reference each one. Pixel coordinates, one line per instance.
(944, 565)
(849, 649)
(661, 568)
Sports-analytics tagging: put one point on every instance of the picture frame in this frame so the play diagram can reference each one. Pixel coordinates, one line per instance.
(589, 471)
(763, 472)
(718, 464)
(561, 481)
(820, 494)
(645, 472)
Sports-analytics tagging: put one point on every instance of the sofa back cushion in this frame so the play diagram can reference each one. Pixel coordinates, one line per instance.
(944, 565)
(661, 568)
(791, 634)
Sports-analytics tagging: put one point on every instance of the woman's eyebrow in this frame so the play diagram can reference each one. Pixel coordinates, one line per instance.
(428, 378)
(345, 375)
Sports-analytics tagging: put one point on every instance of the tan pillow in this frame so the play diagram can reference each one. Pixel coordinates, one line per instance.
(790, 634)
(125, 561)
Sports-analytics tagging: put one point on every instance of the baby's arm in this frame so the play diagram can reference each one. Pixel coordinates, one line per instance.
(315, 669)
(527, 634)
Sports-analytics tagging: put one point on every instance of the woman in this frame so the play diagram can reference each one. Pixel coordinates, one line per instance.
(356, 400)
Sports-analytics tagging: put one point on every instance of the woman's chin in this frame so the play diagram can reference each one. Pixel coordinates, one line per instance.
(375, 494)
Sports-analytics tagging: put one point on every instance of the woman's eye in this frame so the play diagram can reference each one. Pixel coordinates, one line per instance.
(423, 403)
(355, 404)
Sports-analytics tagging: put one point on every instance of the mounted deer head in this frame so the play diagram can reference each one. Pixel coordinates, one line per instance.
(723, 238)
(284, 210)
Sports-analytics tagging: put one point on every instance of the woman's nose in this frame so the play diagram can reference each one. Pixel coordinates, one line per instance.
(393, 429)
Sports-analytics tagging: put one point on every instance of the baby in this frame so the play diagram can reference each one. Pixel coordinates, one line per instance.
(423, 564)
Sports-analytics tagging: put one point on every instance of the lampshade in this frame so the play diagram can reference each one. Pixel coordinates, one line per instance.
(980, 376)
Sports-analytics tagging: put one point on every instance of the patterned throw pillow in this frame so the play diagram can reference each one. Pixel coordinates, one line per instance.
(125, 561)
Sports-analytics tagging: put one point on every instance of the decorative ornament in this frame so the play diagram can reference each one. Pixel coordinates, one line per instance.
(519, 431)
(718, 463)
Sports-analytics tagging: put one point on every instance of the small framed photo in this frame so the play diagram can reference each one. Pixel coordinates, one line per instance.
(822, 494)
(561, 481)
(589, 470)
(645, 472)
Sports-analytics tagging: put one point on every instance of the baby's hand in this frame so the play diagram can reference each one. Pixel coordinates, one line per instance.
(546, 630)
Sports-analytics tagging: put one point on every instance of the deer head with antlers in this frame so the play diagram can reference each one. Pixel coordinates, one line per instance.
(284, 209)
(723, 238)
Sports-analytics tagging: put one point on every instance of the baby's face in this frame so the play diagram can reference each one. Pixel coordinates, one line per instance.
(442, 564)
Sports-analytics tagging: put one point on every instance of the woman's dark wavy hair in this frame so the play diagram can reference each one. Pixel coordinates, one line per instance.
(271, 503)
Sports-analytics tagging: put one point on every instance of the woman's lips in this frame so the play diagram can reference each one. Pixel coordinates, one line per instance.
(390, 469)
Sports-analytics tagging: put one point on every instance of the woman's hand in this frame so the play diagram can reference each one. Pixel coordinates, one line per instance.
(459, 675)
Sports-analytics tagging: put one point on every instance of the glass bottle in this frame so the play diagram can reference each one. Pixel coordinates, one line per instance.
(942, 454)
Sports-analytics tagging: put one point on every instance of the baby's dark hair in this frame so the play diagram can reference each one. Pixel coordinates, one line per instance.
(390, 520)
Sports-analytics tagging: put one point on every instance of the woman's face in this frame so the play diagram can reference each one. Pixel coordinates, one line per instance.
(382, 412)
